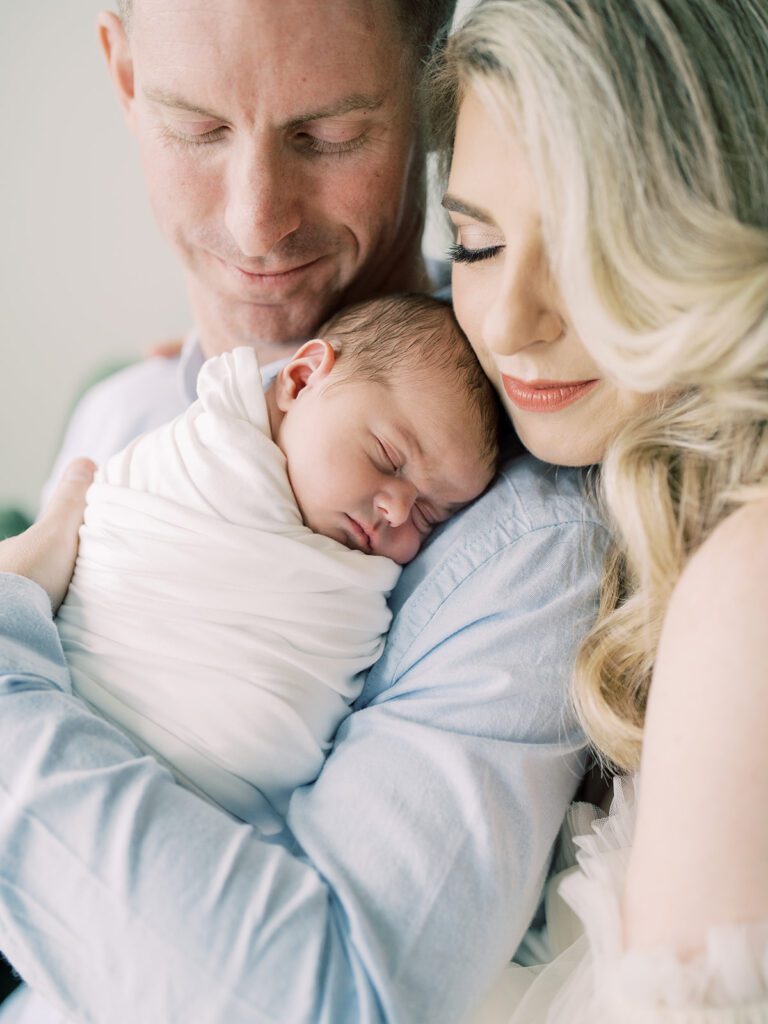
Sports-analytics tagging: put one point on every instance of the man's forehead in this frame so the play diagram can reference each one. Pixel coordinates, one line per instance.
(295, 56)
(317, 22)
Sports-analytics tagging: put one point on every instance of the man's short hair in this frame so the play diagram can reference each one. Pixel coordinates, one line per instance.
(407, 337)
(425, 22)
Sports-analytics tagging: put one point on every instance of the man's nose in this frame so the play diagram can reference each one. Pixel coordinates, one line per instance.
(395, 501)
(520, 315)
(263, 204)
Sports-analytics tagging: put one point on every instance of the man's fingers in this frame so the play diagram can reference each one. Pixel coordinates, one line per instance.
(80, 471)
(46, 552)
(164, 349)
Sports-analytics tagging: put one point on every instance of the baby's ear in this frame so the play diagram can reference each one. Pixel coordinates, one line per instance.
(308, 367)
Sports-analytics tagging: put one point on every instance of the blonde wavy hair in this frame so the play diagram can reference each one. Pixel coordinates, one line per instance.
(646, 125)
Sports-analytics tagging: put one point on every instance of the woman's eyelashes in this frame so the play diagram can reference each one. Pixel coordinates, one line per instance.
(459, 253)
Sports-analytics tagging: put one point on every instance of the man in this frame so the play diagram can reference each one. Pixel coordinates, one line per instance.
(279, 141)
(282, 153)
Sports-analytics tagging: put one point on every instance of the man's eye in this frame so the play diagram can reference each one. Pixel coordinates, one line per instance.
(324, 147)
(194, 138)
(458, 253)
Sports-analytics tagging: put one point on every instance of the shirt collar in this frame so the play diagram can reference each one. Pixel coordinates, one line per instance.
(190, 363)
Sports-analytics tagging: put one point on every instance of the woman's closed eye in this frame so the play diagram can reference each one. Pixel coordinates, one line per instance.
(458, 253)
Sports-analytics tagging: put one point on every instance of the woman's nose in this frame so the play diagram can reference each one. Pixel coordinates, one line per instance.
(515, 321)
(524, 309)
(395, 501)
(262, 204)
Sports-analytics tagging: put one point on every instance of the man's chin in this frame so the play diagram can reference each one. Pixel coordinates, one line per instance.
(226, 320)
(225, 324)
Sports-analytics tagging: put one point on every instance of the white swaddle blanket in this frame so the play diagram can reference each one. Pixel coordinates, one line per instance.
(205, 618)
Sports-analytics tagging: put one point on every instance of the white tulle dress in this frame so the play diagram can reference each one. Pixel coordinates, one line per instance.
(591, 979)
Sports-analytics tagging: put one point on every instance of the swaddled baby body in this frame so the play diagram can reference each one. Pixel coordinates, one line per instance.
(234, 565)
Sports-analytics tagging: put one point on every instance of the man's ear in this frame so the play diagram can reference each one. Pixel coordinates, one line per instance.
(117, 50)
(309, 366)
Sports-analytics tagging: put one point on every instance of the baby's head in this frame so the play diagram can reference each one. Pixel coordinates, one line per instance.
(388, 424)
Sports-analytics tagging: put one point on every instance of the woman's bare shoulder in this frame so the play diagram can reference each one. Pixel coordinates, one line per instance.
(709, 682)
(729, 571)
(705, 760)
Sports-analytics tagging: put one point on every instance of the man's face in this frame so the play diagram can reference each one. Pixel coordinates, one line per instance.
(278, 144)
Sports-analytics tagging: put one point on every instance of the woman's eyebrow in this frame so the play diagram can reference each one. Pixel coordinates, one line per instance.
(455, 205)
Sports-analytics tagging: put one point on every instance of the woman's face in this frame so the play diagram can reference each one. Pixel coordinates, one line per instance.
(563, 408)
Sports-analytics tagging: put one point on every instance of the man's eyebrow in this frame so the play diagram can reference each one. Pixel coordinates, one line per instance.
(455, 205)
(357, 101)
(170, 99)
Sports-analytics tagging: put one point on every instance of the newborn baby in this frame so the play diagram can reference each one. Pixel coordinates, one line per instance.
(234, 565)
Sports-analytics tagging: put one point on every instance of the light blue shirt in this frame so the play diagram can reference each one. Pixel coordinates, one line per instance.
(411, 867)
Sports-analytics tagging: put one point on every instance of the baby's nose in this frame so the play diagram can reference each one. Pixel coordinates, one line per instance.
(396, 503)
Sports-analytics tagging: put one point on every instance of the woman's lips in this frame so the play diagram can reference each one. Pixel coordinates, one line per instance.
(545, 395)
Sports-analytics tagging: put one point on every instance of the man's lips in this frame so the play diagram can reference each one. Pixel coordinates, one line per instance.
(273, 279)
(545, 395)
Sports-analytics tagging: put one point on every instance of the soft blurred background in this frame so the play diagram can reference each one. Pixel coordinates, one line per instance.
(85, 279)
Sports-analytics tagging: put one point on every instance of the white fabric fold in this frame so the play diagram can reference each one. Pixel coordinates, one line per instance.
(205, 618)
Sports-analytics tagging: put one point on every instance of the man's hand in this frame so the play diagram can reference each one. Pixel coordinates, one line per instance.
(165, 349)
(46, 552)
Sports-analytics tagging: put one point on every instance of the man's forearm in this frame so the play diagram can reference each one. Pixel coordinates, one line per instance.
(104, 856)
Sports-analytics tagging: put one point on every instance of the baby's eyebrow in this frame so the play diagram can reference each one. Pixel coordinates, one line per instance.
(411, 444)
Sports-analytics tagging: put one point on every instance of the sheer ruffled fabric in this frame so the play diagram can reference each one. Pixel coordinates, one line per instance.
(592, 980)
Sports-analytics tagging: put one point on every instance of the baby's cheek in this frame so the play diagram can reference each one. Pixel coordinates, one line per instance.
(408, 547)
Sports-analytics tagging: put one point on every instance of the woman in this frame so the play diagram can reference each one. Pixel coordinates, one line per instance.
(607, 186)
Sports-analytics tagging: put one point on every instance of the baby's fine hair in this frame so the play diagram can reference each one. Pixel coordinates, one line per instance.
(407, 336)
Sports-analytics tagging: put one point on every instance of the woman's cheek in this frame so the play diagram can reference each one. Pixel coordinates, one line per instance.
(469, 301)
(462, 301)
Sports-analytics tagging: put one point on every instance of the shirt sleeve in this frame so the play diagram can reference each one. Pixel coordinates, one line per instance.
(414, 863)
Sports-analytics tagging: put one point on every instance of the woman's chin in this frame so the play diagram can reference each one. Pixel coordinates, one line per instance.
(559, 449)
